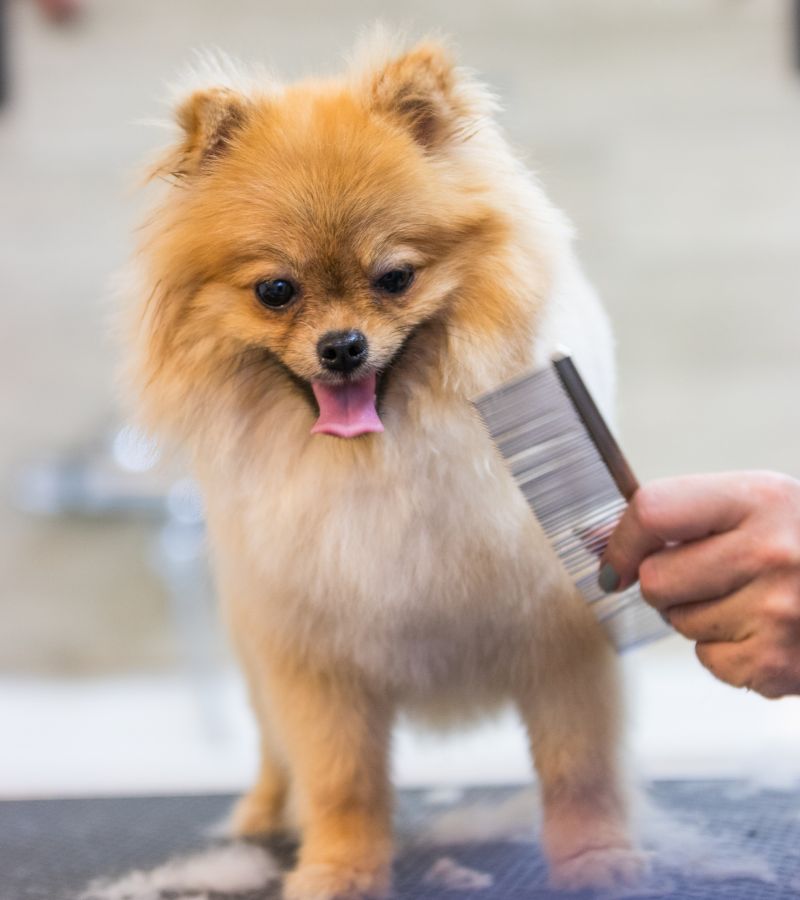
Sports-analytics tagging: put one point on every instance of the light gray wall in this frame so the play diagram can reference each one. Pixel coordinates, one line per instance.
(670, 132)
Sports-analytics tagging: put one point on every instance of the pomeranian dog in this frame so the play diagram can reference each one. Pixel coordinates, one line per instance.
(338, 267)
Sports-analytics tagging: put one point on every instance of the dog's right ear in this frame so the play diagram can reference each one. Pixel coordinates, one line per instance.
(209, 120)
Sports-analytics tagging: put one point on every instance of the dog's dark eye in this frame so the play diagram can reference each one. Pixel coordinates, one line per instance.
(275, 294)
(396, 281)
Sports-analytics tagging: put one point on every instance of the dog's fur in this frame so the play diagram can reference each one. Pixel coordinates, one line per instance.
(393, 571)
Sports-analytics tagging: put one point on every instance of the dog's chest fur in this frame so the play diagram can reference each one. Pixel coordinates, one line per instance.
(409, 554)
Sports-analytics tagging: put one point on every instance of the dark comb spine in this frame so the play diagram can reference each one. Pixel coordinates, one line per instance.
(599, 432)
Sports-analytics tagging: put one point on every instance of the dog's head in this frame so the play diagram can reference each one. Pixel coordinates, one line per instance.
(325, 224)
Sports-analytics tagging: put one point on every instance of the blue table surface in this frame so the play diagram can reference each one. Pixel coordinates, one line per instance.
(51, 849)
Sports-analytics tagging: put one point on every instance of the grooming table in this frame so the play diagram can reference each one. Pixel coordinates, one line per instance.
(51, 849)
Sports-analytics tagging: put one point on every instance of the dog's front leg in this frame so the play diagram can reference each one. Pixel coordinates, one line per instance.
(264, 808)
(572, 711)
(336, 733)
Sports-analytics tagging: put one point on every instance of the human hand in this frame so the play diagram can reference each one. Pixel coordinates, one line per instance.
(719, 557)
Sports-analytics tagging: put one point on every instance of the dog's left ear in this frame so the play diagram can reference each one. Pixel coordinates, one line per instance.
(209, 120)
(424, 91)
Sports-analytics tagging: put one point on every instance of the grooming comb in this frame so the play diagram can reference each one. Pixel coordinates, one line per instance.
(576, 480)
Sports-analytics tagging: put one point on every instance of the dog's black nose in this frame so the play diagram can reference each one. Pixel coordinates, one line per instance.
(342, 351)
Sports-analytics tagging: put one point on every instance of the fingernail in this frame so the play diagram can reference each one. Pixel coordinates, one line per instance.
(608, 579)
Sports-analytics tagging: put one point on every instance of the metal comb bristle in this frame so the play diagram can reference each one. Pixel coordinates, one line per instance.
(575, 479)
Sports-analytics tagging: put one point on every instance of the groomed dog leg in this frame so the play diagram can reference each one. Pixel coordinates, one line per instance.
(573, 713)
(336, 734)
(262, 810)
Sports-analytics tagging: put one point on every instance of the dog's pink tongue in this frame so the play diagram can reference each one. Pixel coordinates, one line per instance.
(346, 410)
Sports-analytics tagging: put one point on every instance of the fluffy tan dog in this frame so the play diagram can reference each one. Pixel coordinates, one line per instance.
(338, 267)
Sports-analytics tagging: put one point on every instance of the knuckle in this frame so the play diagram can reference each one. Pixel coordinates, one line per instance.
(782, 604)
(680, 623)
(772, 487)
(770, 675)
(706, 656)
(676, 617)
(769, 691)
(651, 581)
(724, 668)
(771, 668)
(647, 507)
(780, 550)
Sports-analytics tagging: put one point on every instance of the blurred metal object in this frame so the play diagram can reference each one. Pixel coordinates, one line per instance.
(179, 558)
(120, 476)
(115, 475)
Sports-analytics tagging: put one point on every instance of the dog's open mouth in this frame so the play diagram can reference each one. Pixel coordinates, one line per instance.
(350, 408)
(347, 409)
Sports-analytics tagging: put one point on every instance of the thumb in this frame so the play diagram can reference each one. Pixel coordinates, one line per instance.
(666, 511)
(630, 543)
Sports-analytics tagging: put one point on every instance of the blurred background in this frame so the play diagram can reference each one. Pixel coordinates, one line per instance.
(668, 131)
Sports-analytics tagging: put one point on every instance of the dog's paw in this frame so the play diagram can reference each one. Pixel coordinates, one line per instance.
(329, 882)
(255, 814)
(601, 868)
